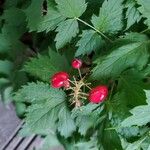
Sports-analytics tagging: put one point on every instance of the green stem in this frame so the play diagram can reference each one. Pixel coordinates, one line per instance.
(111, 91)
(103, 35)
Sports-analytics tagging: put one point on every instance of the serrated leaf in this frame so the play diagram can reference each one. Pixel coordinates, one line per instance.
(129, 55)
(144, 9)
(132, 14)
(45, 67)
(90, 41)
(66, 31)
(34, 14)
(110, 17)
(66, 125)
(40, 91)
(71, 8)
(41, 116)
(87, 116)
(50, 21)
(51, 142)
(140, 116)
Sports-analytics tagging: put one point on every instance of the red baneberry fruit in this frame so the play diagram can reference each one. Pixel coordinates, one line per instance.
(76, 63)
(98, 94)
(60, 79)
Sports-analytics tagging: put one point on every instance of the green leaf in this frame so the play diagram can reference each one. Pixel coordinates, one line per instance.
(51, 142)
(110, 17)
(147, 96)
(66, 125)
(34, 14)
(129, 55)
(45, 67)
(41, 116)
(3, 82)
(9, 3)
(71, 8)
(145, 11)
(66, 31)
(90, 41)
(5, 67)
(87, 117)
(47, 108)
(132, 15)
(87, 145)
(4, 44)
(132, 146)
(12, 30)
(147, 70)
(50, 21)
(140, 115)
(133, 90)
(40, 91)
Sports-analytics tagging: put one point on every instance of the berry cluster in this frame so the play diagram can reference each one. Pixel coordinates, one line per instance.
(62, 79)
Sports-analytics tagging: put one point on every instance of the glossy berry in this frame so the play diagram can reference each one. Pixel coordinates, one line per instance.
(98, 94)
(60, 79)
(76, 63)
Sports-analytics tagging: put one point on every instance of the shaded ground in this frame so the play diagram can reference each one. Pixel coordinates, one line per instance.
(9, 127)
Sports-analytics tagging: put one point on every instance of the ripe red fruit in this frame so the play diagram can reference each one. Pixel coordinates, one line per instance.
(98, 94)
(76, 63)
(60, 79)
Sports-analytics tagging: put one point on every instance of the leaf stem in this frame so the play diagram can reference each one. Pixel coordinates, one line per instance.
(103, 35)
(111, 91)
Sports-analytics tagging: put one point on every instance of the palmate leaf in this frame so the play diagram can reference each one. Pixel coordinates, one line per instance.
(140, 115)
(129, 55)
(132, 14)
(34, 14)
(110, 17)
(71, 8)
(47, 112)
(44, 67)
(145, 11)
(50, 21)
(89, 42)
(66, 31)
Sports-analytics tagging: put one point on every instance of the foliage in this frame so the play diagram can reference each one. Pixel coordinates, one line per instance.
(39, 38)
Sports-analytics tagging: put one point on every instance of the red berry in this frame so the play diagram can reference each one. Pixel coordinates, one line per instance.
(76, 63)
(60, 79)
(98, 94)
